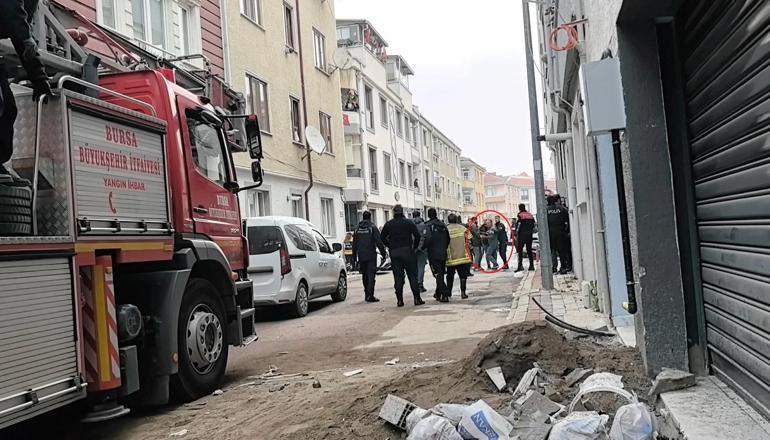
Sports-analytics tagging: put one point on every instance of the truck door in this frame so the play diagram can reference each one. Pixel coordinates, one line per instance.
(215, 210)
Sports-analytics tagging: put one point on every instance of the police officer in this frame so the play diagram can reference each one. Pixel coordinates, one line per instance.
(366, 241)
(525, 226)
(437, 253)
(502, 241)
(458, 259)
(422, 254)
(402, 238)
(15, 23)
(558, 229)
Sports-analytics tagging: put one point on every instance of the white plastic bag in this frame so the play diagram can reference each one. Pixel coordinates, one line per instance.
(434, 428)
(451, 411)
(414, 418)
(602, 383)
(632, 422)
(580, 425)
(481, 422)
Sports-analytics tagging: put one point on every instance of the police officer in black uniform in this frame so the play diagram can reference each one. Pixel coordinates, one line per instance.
(558, 229)
(401, 236)
(366, 241)
(15, 23)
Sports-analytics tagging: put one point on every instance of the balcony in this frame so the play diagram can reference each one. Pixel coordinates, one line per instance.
(351, 120)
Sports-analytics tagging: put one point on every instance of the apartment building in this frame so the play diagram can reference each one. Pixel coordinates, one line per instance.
(447, 179)
(274, 49)
(505, 193)
(692, 147)
(388, 143)
(473, 192)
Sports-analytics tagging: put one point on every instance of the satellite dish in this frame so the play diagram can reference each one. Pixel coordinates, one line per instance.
(342, 58)
(315, 140)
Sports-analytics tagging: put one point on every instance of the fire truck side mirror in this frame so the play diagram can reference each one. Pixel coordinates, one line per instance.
(256, 173)
(254, 138)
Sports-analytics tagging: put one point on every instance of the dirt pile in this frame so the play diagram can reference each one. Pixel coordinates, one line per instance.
(514, 348)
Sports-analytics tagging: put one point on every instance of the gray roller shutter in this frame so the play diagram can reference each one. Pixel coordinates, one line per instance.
(727, 88)
(38, 352)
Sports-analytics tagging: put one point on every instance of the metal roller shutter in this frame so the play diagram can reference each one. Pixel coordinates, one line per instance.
(726, 47)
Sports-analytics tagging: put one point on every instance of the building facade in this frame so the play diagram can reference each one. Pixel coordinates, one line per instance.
(505, 193)
(274, 48)
(474, 199)
(691, 150)
(389, 145)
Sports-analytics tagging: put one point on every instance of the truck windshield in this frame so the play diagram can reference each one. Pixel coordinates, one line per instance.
(207, 150)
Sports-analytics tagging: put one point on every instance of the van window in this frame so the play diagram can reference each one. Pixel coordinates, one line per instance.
(264, 239)
(323, 245)
(301, 238)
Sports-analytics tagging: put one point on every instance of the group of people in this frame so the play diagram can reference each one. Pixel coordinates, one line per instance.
(412, 244)
(447, 248)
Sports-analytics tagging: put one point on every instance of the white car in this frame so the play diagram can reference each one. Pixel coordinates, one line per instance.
(290, 263)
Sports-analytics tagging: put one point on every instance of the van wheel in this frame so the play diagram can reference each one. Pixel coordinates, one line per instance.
(201, 340)
(341, 293)
(299, 307)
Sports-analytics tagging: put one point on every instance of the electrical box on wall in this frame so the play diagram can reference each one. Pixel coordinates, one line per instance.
(603, 107)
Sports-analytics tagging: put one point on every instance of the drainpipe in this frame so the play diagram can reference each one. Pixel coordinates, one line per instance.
(631, 306)
(304, 113)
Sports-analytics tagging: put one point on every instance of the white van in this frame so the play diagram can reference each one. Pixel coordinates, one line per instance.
(290, 263)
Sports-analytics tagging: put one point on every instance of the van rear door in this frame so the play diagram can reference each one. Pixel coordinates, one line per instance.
(265, 242)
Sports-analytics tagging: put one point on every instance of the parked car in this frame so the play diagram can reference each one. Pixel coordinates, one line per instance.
(291, 262)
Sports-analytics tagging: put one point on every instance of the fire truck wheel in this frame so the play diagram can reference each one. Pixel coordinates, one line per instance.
(202, 341)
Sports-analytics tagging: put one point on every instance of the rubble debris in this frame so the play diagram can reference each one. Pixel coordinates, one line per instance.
(393, 361)
(483, 423)
(576, 376)
(535, 405)
(450, 411)
(272, 370)
(602, 383)
(526, 381)
(352, 372)
(414, 418)
(526, 428)
(180, 433)
(434, 427)
(671, 380)
(553, 393)
(276, 388)
(632, 422)
(217, 393)
(580, 425)
(395, 410)
(316, 384)
(496, 374)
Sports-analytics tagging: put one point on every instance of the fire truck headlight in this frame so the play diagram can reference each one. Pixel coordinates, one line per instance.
(129, 322)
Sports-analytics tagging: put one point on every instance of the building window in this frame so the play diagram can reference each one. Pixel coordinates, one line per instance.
(149, 21)
(383, 111)
(491, 191)
(410, 175)
(373, 212)
(326, 130)
(252, 9)
(387, 167)
(296, 120)
(297, 206)
(351, 216)
(327, 217)
(399, 124)
(466, 174)
(401, 173)
(257, 102)
(108, 13)
(288, 25)
(369, 108)
(427, 183)
(257, 203)
(413, 124)
(319, 45)
(185, 36)
(524, 195)
(408, 130)
(373, 169)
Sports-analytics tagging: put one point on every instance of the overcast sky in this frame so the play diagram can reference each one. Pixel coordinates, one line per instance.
(470, 77)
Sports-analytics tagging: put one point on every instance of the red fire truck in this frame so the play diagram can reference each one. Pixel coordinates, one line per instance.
(126, 281)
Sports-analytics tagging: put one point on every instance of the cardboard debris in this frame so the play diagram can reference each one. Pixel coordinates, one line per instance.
(526, 428)
(577, 375)
(353, 372)
(671, 380)
(496, 374)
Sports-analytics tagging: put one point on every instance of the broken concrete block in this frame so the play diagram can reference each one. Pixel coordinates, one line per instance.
(671, 380)
(577, 375)
(526, 381)
(535, 406)
(352, 373)
(395, 410)
(526, 428)
(553, 393)
(496, 374)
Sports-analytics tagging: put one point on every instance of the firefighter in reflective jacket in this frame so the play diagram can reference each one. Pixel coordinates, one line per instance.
(458, 259)
(366, 241)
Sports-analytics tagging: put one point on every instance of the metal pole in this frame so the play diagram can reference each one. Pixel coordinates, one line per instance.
(537, 160)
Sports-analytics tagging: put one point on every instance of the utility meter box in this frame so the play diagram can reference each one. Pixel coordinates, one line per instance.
(603, 107)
